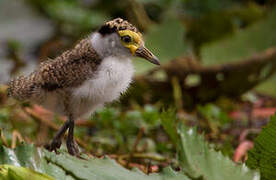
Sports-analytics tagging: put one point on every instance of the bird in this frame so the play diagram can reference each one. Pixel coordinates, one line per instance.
(96, 71)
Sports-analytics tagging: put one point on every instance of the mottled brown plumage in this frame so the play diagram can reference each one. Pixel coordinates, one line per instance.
(68, 70)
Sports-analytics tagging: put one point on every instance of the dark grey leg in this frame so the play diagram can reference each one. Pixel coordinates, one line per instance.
(56, 142)
(71, 145)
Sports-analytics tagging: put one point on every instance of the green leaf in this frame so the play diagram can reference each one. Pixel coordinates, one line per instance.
(64, 166)
(198, 160)
(263, 155)
(10, 172)
(101, 168)
(169, 174)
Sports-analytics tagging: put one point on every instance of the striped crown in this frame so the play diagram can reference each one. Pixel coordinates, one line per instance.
(115, 25)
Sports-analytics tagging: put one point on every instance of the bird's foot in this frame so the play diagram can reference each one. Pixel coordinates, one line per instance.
(55, 144)
(72, 147)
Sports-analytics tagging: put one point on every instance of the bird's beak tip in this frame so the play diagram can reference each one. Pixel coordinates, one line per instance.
(155, 60)
(143, 52)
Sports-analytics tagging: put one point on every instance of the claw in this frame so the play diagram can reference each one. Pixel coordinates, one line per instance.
(72, 147)
(55, 144)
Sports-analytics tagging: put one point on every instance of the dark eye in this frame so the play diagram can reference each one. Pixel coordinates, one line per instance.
(126, 39)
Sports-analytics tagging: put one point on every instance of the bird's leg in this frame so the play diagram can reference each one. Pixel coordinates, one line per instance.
(71, 145)
(56, 142)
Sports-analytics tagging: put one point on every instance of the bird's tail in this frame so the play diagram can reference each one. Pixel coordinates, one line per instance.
(23, 87)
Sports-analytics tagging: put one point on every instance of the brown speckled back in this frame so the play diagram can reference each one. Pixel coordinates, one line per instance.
(68, 70)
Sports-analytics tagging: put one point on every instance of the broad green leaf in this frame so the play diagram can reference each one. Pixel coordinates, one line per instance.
(104, 169)
(169, 174)
(263, 155)
(198, 160)
(10, 172)
(63, 166)
(28, 156)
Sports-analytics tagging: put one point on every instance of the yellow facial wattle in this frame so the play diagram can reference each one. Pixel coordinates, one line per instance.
(134, 43)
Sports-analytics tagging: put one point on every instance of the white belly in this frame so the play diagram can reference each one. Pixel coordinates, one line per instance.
(112, 78)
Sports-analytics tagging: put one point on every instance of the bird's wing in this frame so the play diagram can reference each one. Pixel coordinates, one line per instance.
(63, 73)
(70, 69)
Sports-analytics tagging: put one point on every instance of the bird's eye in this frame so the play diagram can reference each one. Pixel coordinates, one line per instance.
(126, 39)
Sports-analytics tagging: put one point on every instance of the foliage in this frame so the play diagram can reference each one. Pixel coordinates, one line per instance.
(10, 172)
(215, 116)
(114, 129)
(197, 159)
(64, 166)
(214, 113)
(263, 155)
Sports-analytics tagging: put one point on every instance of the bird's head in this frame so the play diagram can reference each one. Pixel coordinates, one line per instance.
(119, 37)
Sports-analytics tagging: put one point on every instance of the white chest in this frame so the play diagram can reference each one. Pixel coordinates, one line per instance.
(111, 79)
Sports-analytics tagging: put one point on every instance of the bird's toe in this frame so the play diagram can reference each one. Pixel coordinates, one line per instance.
(55, 144)
(72, 148)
